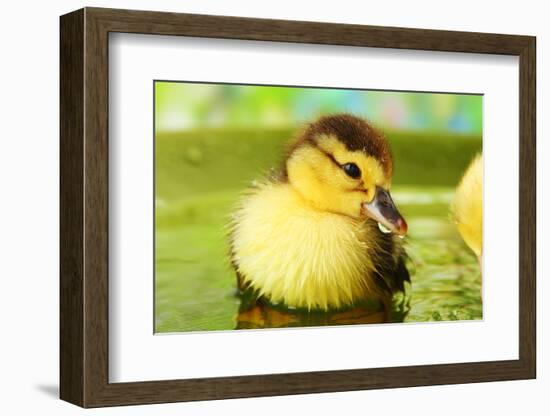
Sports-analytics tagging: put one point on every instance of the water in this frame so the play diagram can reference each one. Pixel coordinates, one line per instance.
(199, 176)
(195, 285)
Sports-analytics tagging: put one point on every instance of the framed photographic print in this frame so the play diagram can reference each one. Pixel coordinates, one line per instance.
(255, 207)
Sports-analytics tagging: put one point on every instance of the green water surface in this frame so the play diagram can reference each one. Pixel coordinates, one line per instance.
(199, 176)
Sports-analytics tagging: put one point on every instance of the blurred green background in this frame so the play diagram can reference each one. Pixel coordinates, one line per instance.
(212, 140)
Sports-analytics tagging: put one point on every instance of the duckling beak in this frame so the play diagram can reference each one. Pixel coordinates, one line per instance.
(383, 210)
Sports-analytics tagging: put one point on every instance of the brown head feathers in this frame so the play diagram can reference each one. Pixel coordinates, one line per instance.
(355, 133)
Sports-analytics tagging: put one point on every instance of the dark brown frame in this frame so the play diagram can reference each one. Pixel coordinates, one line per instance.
(84, 207)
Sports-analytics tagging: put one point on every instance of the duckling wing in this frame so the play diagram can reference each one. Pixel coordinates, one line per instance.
(391, 269)
(401, 274)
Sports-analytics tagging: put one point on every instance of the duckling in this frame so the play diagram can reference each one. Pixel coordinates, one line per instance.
(467, 207)
(324, 233)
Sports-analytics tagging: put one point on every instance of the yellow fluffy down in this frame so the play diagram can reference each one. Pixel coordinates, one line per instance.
(468, 206)
(292, 253)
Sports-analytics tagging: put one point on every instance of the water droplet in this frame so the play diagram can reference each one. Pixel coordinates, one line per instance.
(383, 228)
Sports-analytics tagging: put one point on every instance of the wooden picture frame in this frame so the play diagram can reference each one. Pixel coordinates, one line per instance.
(84, 207)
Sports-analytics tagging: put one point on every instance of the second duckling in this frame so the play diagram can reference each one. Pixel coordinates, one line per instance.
(468, 207)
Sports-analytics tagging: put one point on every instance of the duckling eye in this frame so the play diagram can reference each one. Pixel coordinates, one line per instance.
(352, 170)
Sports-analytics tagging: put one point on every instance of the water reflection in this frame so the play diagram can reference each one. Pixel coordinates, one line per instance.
(258, 313)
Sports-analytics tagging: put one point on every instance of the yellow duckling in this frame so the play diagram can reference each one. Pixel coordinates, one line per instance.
(324, 233)
(468, 206)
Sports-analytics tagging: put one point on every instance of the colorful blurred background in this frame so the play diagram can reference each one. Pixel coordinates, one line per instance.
(212, 140)
(184, 106)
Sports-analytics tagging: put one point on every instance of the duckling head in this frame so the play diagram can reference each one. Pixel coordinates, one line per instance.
(341, 164)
